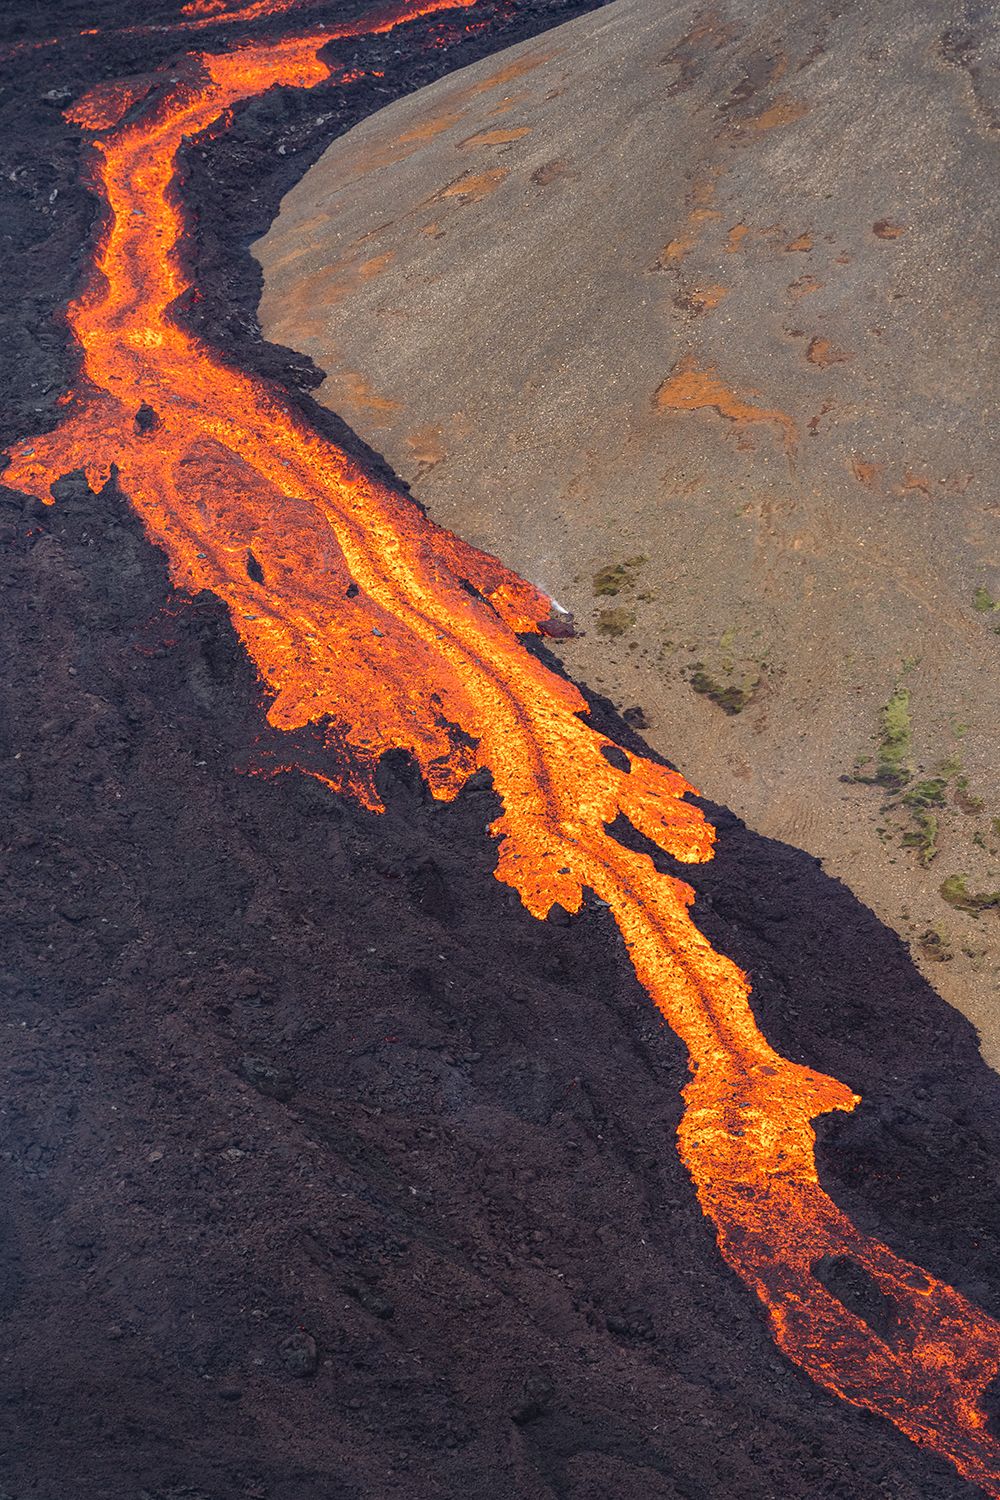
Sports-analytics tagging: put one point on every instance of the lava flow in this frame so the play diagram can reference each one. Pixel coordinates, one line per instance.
(366, 620)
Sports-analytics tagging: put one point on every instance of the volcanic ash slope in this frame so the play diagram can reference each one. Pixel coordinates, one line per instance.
(692, 320)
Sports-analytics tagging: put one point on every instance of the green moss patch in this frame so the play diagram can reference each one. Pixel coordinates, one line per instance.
(615, 622)
(922, 837)
(965, 799)
(894, 767)
(926, 799)
(610, 580)
(957, 894)
(928, 793)
(731, 697)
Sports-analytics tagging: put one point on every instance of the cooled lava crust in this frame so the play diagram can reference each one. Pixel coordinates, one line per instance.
(327, 1171)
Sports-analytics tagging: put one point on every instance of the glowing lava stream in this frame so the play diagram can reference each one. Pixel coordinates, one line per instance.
(359, 616)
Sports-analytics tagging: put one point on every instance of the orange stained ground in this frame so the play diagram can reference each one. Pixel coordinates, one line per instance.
(693, 387)
(365, 625)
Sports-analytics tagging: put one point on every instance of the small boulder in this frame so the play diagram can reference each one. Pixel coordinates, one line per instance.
(276, 1083)
(299, 1355)
(533, 1399)
(146, 419)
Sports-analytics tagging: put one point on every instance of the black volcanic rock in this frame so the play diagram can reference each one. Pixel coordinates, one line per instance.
(276, 1083)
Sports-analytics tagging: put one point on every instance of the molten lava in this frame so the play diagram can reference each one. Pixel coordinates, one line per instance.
(365, 619)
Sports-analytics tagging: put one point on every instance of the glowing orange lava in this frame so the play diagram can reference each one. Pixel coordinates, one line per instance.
(389, 632)
(199, 15)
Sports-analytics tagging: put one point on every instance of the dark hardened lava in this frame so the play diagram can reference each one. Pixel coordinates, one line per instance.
(287, 1085)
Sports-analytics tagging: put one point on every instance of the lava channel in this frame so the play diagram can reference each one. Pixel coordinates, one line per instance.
(364, 618)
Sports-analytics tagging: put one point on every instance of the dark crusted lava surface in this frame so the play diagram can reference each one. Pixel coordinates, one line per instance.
(326, 1172)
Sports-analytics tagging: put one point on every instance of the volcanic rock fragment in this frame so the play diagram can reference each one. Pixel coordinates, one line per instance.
(275, 1083)
(533, 1400)
(299, 1354)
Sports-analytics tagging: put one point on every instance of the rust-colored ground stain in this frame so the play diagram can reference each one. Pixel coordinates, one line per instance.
(708, 35)
(812, 426)
(822, 353)
(326, 288)
(762, 73)
(692, 387)
(427, 445)
(550, 171)
(700, 199)
(913, 483)
(497, 137)
(783, 111)
(400, 149)
(865, 471)
(700, 299)
(519, 68)
(802, 243)
(426, 130)
(673, 253)
(454, 107)
(383, 631)
(676, 251)
(351, 389)
(473, 187)
(885, 229)
(741, 236)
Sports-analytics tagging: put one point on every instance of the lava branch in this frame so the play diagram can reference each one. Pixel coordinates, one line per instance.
(359, 613)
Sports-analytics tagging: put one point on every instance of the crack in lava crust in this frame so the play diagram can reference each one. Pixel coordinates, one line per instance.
(363, 617)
